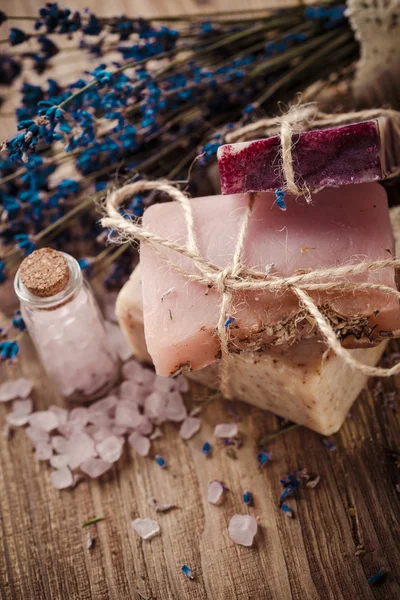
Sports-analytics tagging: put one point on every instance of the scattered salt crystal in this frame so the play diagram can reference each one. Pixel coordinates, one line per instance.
(36, 435)
(182, 383)
(95, 467)
(119, 430)
(157, 433)
(226, 430)
(134, 370)
(104, 406)
(61, 413)
(80, 448)
(146, 528)
(58, 461)
(110, 449)
(131, 390)
(242, 529)
(189, 428)
(313, 482)
(154, 407)
(22, 407)
(90, 541)
(16, 419)
(118, 341)
(44, 419)
(78, 417)
(60, 444)
(175, 409)
(44, 451)
(139, 443)
(15, 388)
(127, 414)
(61, 478)
(215, 492)
(164, 384)
(158, 507)
(99, 433)
(195, 411)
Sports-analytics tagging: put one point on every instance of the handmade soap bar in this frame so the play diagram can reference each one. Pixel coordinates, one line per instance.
(342, 226)
(302, 384)
(356, 153)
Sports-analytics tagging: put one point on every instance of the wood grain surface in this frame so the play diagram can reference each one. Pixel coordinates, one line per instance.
(342, 532)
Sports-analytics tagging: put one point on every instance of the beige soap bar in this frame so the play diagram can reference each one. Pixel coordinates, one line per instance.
(301, 385)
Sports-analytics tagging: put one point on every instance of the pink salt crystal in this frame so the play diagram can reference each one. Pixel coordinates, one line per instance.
(60, 444)
(58, 461)
(104, 406)
(175, 409)
(215, 492)
(78, 417)
(157, 433)
(80, 448)
(154, 407)
(189, 428)
(127, 414)
(326, 230)
(98, 434)
(146, 528)
(44, 451)
(118, 341)
(144, 426)
(61, 413)
(133, 391)
(134, 370)
(165, 384)
(242, 529)
(139, 443)
(16, 419)
(44, 419)
(110, 449)
(36, 435)
(226, 430)
(182, 384)
(15, 388)
(61, 478)
(22, 407)
(195, 411)
(119, 430)
(95, 467)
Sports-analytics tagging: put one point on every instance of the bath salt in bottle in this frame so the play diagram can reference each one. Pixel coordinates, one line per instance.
(66, 325)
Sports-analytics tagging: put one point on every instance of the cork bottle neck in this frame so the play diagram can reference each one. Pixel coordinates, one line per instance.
(47, 278)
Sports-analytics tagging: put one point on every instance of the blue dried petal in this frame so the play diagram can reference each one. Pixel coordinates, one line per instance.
(8, 350)
(287, 510)
(263, 458)
(229, 321)
(206, 450)
(159, 460)
(378, 577)
(187, 571)
(247, 497)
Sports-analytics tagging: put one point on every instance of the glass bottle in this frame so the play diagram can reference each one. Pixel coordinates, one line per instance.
(66, 325)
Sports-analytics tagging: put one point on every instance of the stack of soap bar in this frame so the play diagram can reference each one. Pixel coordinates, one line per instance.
(356, 153)
(278, 360)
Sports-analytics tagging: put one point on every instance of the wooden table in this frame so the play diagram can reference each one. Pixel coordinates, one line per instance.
(342, 532)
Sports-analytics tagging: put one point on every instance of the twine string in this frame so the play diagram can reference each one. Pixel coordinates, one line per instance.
(237, 276)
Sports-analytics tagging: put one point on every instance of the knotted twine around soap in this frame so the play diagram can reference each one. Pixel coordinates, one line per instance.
(300, 118)
(237, 276)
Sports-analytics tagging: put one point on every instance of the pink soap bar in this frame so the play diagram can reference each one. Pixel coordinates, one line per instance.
(356, 153)
(343, 225)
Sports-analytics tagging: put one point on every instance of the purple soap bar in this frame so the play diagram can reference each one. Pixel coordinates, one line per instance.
(355, 153)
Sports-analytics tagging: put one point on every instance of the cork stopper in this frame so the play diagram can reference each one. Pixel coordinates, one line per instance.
(45, 272)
